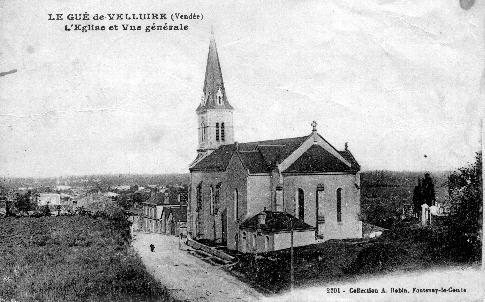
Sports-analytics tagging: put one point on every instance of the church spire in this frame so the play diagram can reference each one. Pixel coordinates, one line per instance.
(214, 112)
(214, 93)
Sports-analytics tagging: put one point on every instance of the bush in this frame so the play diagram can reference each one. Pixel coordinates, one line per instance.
(465, 220)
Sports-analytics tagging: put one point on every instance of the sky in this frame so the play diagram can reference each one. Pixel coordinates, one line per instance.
(396, 79)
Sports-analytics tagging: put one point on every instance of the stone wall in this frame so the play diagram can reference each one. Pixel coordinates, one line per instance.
(201, 224)
(236, 180)
(349, 227)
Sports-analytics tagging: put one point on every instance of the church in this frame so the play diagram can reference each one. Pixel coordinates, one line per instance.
(253, 197)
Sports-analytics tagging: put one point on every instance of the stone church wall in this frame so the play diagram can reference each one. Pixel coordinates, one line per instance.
(201, 224)
(350, 226)
(236, 180)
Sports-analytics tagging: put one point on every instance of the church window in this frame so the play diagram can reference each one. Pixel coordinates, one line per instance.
(203, 130)
(211, 200)
(217, 197)
(198, 197)
(217, 131)
(236, 204)
(279, 198)
(219, 97)
(301, 204)
(223, 134)
(266, 243)
(339, 205)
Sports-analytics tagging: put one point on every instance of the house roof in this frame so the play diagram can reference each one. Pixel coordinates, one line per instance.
(264, 156)
(156, 199)
(169, 198)
(275, 222)
(213, 82)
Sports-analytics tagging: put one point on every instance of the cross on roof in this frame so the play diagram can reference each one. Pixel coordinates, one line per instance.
(314, 126)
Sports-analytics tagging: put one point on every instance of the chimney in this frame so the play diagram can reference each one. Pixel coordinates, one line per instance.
(346, 146)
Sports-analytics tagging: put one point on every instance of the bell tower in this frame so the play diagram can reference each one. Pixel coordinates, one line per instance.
(214, 111)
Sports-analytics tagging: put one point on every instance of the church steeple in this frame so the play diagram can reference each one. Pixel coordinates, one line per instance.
(214, 111)
(214, 93)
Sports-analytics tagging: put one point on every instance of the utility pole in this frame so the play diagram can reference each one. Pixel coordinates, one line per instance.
(292, 269)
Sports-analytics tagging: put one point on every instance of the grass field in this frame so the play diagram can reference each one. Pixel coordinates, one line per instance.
(72, 258)
(401, 250)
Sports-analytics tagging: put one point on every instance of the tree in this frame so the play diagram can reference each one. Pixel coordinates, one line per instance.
(418, 198)
(465, 221)
(125, 202)
(22, 202)
(45, 210)
(428, 193)
(423, 193)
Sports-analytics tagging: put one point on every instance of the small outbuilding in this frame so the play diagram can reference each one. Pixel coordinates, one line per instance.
(271, 231)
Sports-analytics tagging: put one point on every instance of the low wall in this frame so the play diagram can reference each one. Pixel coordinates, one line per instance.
(210, 250)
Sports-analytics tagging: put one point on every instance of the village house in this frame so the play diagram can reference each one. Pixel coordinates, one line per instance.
(50, 199)
(166, 212)
(302, 184)
(151, 214)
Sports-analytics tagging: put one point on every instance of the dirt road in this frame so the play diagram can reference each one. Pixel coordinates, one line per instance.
(186, 276)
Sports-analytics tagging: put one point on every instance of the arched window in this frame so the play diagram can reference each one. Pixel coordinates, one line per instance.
(236, 204)
(217, 131)
(203, 131)
(217, 197)
(199, 197)
(211, 200)
(301, 204)
(339, 204)
(223, 134)
(266, 243)
(219, 97)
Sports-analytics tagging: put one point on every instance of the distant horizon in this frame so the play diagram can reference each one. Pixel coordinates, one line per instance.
(188, 173)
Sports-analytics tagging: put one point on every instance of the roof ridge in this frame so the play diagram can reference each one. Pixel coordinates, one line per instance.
(277, 139)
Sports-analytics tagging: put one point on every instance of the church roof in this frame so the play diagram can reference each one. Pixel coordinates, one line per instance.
(264, 156)
(258, 157)
(213, 83)
(275, 222)
(317, 159)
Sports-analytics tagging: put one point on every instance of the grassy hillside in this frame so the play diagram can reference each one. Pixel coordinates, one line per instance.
(400, 250)
(72, 259)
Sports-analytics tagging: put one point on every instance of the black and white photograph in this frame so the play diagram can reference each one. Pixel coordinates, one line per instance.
(214, 151)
